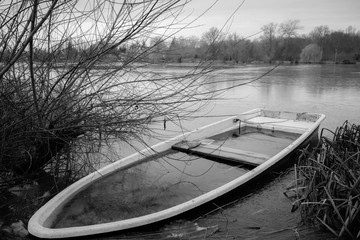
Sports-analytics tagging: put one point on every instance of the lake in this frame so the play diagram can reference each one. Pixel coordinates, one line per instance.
(329, 89)
(266, 214)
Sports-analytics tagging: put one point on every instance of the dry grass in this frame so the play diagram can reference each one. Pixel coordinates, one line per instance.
(327, 183)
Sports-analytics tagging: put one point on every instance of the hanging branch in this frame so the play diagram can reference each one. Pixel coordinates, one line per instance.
(31, 61)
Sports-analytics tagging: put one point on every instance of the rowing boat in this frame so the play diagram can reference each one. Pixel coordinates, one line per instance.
(177, 175)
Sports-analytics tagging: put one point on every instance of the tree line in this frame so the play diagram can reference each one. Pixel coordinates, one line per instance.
(278, 42)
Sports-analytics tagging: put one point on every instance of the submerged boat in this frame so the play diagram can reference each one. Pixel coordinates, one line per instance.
(177, 175)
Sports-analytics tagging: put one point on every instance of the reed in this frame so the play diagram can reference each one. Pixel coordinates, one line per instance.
(327, 182)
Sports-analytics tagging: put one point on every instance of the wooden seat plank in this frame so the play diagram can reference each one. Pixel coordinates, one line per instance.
(222, 153)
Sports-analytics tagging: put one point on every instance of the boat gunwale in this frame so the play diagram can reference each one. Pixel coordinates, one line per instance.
(38, 224)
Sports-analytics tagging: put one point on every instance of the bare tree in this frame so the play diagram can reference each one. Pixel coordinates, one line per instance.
(73, 75)
(212, 40)
(232, 48)
(319, 34)
(182, 48)
(289, 29)
(269, 37)
(351, 30)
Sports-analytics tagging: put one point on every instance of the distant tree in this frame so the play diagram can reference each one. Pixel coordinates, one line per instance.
(157, 50)
(269, 39)
(312, 53)
(192, 47)
(319, 33)
(339, 46)
(182, 49)
(135, 50)
(350, 30)
(245, 51)
(318, 36)
(288, 31)
(70, 52)
(257, 51)
(230, 49)
(353, 42)
(173, 53)
(212, 40)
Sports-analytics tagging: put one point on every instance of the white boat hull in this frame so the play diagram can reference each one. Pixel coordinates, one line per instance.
(302, 123)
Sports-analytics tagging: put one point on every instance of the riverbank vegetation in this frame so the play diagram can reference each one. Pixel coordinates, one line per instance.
(327, 184)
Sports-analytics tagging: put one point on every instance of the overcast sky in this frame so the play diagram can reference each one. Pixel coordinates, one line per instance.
(253, 14)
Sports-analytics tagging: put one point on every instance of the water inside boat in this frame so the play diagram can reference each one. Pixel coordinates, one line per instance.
(165, 181)
(256, 140)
